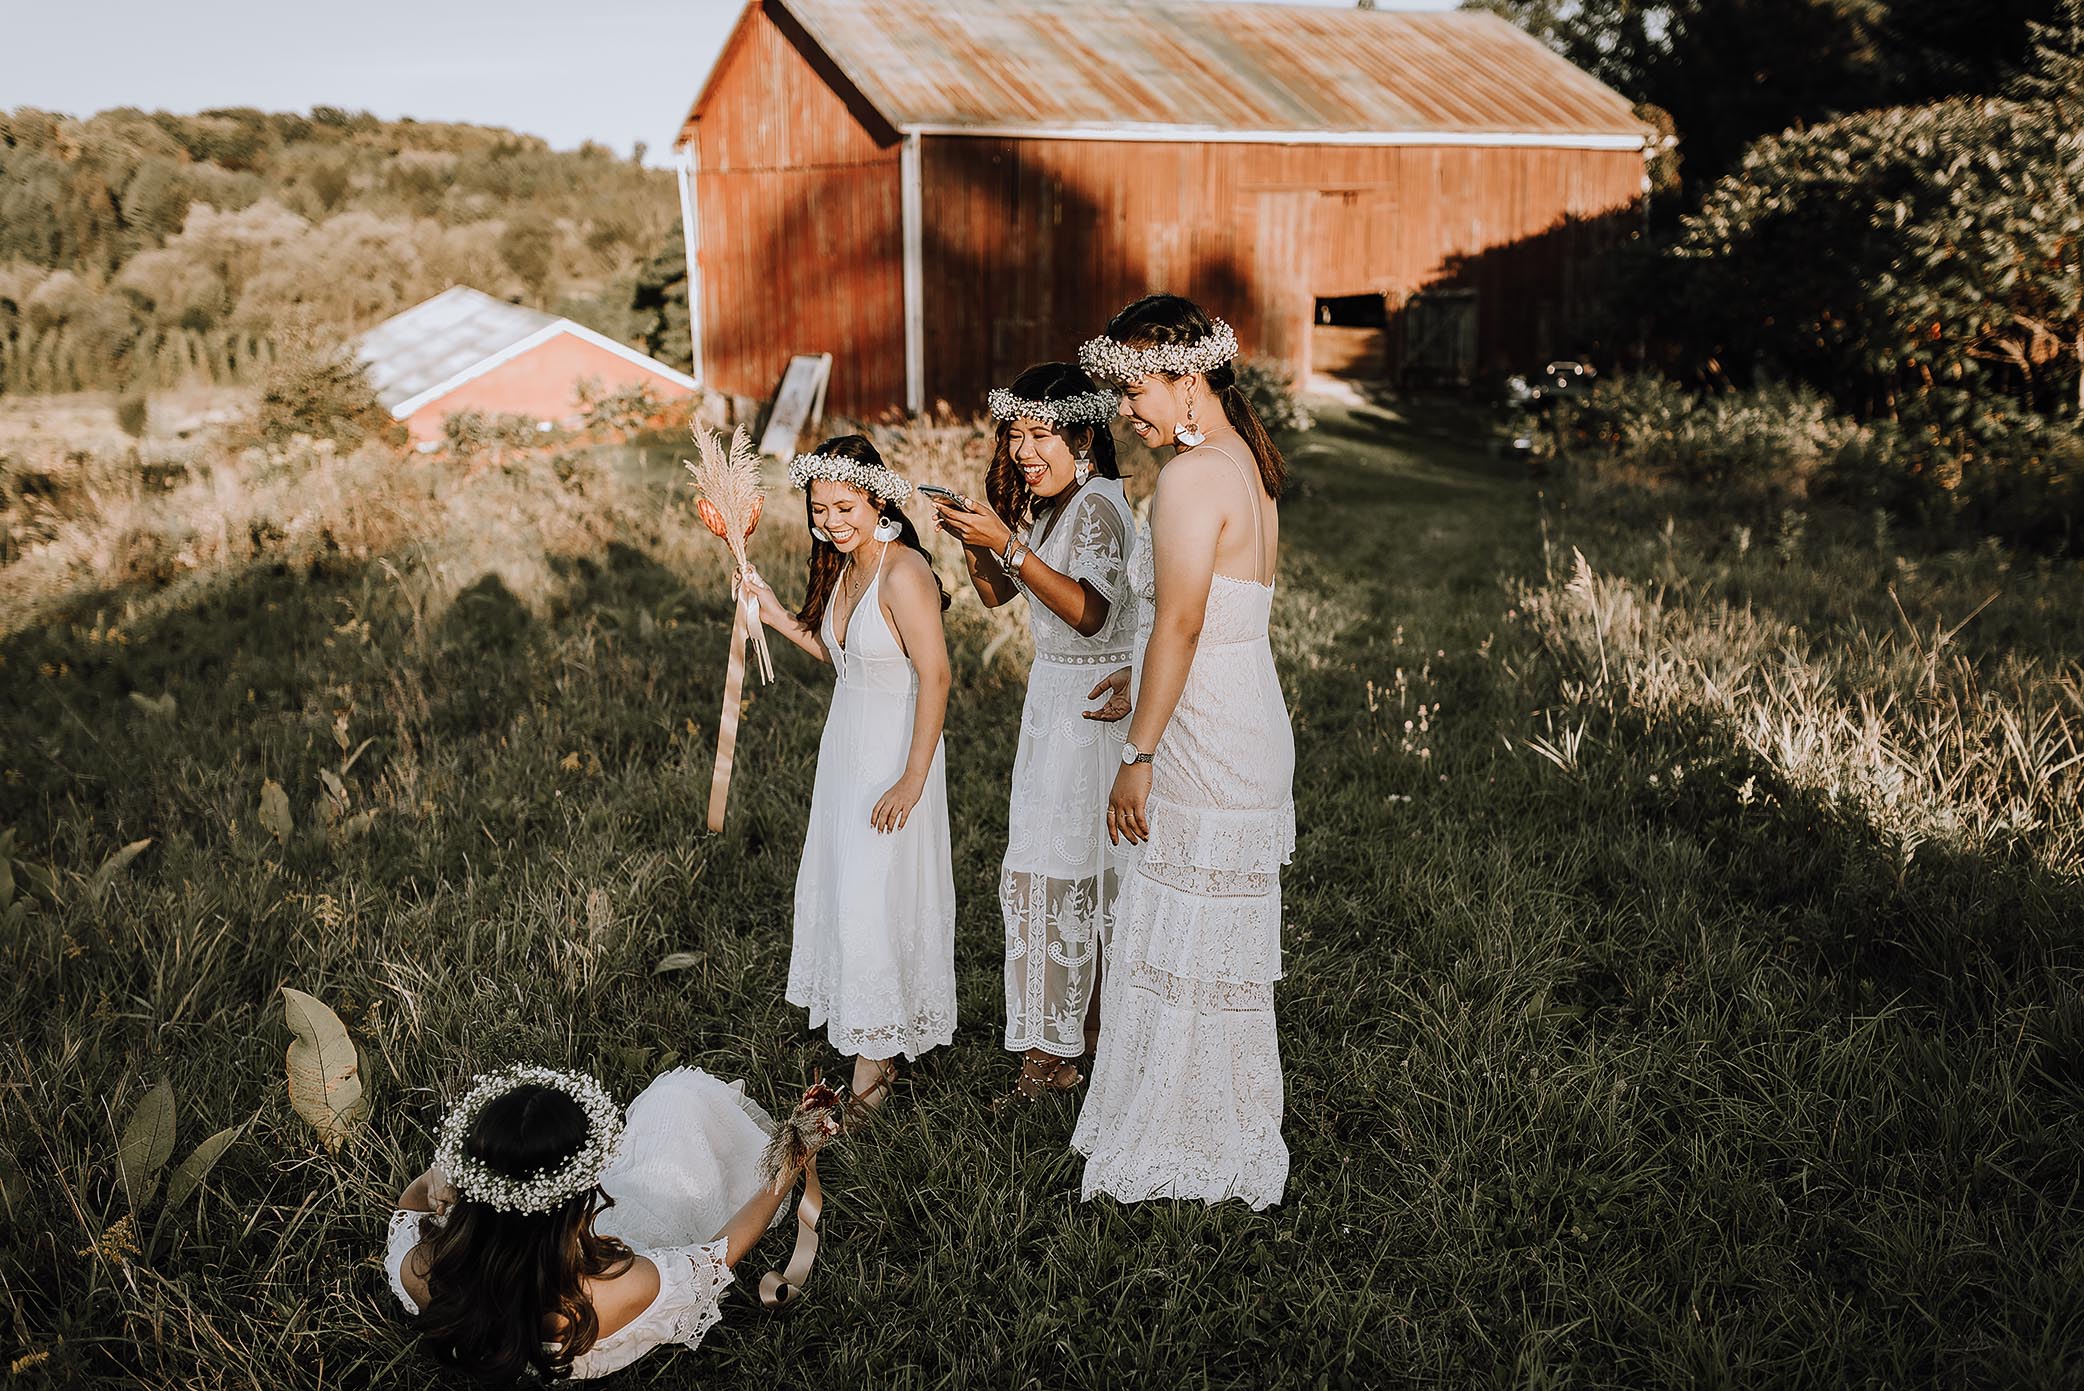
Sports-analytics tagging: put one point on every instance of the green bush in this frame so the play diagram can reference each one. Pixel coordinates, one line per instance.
(1271, 390)
(320, 390)
(1923, 262)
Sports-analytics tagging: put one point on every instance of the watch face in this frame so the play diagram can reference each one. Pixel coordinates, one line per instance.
(1128, 752)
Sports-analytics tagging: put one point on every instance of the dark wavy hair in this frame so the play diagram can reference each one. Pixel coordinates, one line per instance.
(825, 559)
(1157, 320)
(1004, 487)
(499, 1282)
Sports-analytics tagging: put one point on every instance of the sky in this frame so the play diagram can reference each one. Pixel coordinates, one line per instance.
(615, 71)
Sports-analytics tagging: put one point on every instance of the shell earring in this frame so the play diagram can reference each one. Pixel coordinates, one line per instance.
(1083, 469)
(821, 533)
(1189, 434)
(887, 530)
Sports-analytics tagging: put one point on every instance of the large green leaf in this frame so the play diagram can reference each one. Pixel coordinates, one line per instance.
(147, 1143)
(190, 1173)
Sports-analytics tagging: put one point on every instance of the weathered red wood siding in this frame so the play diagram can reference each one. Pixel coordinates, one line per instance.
(801, 238)
(1032, 243)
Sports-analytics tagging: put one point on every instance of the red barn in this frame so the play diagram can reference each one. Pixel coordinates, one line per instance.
(940, 192)
(464, 350)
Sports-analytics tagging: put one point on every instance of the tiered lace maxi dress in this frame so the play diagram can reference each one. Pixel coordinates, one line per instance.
(874, 953)
(1058, 879)
(689, 1159)
(1185, 1100)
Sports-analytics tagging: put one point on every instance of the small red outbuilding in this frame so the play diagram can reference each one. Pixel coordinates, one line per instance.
(464, 350)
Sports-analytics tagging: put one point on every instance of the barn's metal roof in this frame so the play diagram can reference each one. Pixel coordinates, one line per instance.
(1157, 70)
(438, 339)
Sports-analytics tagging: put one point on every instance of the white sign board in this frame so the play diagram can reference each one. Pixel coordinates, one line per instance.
(799, 404)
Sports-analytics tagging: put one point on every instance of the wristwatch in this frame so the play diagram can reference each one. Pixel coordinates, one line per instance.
(1131, 756)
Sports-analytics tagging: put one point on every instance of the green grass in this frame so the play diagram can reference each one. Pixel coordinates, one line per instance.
(1597, 1075)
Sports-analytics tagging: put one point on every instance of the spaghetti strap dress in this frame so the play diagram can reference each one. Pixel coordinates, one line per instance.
(1186, 1094)
(874, 953)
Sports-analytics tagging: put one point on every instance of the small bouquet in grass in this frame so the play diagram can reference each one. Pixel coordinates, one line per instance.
(790, 1155)
(805, 1131)
(729, 481)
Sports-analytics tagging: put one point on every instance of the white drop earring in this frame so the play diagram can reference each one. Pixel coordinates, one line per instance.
(1083, 469)
(1187, 433)
(821, 533)
(888, 530)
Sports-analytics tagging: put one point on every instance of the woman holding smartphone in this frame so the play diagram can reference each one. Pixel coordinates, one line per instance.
(1056, 528)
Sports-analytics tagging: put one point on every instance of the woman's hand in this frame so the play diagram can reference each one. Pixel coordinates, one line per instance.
(1125, 805)
(771, 610)
(978, 526)
(894, 807)
(1116, 686)
(440, 1191)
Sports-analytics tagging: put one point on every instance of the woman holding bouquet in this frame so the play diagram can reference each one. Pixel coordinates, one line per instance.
(874, 952)
(1057, 530)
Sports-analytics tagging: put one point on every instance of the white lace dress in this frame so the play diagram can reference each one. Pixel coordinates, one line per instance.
(874, 953)
(1057, 882)
(689, 1159)
(1185, 1099)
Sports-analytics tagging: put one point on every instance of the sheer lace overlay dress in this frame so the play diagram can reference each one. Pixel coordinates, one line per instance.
(1057, 882)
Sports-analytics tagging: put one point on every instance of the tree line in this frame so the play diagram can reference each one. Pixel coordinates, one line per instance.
(140, 249)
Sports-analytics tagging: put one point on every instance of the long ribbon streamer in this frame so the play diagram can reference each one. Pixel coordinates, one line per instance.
(727, 724)
(778, 1287)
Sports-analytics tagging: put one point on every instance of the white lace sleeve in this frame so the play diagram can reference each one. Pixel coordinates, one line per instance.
(1099, 544)
(403, 1237)
(691, 1281)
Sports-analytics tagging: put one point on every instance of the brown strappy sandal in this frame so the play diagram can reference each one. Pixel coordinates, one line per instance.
(1034, 1080)
(856, 1111)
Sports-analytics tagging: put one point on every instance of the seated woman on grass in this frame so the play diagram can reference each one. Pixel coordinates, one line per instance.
(554, 1235)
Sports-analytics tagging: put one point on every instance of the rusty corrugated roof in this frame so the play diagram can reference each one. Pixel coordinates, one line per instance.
(1252, 71)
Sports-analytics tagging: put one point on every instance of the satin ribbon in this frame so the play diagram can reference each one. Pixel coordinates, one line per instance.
(727, 724)
(778, 1287)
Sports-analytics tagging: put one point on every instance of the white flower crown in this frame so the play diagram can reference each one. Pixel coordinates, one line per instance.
(836, 468)
(1086, 408)
(547, 1189)
(1107, 360)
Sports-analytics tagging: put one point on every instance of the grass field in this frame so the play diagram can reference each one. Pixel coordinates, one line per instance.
(1642, 1026)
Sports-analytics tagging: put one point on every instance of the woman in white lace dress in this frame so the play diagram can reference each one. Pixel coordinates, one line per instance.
(1057, 529)
(874, 953)
(554, 1235)
(1186, 1096)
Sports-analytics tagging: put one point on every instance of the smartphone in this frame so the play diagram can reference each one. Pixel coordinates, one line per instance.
(947, 495)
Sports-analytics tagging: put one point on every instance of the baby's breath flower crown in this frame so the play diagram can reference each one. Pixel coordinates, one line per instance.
(835, 468)
(545, 1190)
(1086, 408)
(1106, 360)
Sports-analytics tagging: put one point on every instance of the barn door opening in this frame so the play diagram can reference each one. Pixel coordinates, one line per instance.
(1350, 337)
(1439, 338)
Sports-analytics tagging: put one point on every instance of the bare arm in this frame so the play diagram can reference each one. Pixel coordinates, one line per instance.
(1186, 524)
(913, 602)
(786, 623)
(430, 1192)
(984, 536)
(747, 1225)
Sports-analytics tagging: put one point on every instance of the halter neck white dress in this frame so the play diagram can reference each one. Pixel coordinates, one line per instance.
(1058, 879)
(874, 953)
(1185, 1099)
(689, 1159)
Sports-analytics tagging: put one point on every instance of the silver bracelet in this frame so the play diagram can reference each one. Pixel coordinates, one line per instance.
(1011, 559)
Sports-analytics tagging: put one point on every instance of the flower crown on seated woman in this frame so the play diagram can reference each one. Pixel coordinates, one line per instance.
(545, 1190)
(1110, 360)
(1084, 408)
(879, 479)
